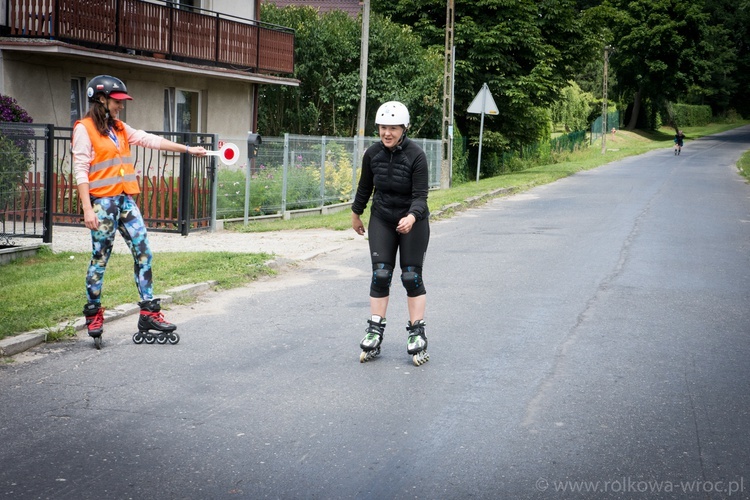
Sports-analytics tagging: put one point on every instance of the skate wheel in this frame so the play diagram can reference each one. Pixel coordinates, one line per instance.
(161, 338)
(138, 338)
(368, 355)
(173, 338)
(421, 358)
(98, 342)
(150, 338)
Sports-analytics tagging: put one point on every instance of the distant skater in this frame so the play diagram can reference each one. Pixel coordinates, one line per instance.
(679, 139)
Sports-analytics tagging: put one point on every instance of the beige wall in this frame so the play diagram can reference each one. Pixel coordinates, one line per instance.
(41, 85)
(239, 8)
(43, 91)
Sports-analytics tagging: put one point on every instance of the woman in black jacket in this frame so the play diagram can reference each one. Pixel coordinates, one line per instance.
(395, 174)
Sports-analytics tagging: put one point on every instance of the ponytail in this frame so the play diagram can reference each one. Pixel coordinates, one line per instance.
(99, 113)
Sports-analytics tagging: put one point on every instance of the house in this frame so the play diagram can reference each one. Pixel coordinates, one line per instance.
(191, 65)
(351, 7)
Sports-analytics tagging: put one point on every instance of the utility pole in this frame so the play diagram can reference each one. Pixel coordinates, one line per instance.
(447, 123)
(607, 50)
(364, 54)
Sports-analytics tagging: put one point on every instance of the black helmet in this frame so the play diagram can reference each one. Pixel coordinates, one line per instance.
(107, 85)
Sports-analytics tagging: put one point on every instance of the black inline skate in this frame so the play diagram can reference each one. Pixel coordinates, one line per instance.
(373, 338)
(94, 322)
(151, 318)
(417, 344)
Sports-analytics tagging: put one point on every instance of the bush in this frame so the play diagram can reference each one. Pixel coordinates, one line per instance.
(687, 115)
(15, 150)
(338, 171)
(461, 172)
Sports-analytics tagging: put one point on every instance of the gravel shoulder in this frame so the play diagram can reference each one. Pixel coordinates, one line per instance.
(292, 245)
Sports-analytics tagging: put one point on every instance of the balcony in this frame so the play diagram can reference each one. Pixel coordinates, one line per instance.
(162, 30)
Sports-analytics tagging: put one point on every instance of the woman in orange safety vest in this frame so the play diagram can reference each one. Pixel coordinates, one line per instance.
(106, 179)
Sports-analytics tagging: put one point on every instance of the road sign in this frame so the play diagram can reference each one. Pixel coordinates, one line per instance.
(483, 103)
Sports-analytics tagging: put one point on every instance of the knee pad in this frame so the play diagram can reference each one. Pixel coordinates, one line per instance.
(411, 277)
(382, 274)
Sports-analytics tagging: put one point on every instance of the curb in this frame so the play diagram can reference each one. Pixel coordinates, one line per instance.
(20, 343)
(473, 201)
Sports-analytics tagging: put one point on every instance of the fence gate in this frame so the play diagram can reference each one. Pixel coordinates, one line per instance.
(25, 171)
(176, 189)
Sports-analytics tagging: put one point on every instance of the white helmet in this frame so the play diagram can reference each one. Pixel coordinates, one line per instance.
(392, 113)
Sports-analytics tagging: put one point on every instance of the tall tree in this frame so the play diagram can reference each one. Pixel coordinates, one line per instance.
(730, 90)
(525, 50)
(327, 65)
(664, 48)
(402, 69)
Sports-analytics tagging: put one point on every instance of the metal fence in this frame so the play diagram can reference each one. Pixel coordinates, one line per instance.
(176, 188)
(25, 173)
(297, 172)
(613, 121)
(38, 188)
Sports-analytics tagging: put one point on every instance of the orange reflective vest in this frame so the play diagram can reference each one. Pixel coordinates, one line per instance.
(111, 172)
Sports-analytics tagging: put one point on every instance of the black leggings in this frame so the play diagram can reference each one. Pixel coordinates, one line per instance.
(385, 242)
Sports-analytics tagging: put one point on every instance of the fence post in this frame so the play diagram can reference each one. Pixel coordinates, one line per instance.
(185, 181)
(322, 171)
(284, 173)
(213, 168)
(354, 168)
(49, 164)
(248, 175)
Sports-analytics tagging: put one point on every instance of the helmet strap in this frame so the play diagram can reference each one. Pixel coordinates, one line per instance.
(403, 135)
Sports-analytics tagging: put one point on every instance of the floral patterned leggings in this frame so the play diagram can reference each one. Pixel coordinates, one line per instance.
(119, 213)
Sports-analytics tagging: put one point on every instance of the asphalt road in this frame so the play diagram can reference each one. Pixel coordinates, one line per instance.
(588, 339)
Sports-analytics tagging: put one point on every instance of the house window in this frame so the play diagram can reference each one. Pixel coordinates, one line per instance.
(189, 5)
(181, 110)
(78, 99)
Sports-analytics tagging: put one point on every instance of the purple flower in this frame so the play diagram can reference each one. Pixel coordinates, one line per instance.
(10, 111)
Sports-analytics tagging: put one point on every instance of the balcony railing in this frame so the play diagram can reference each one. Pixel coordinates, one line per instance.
(163, 29)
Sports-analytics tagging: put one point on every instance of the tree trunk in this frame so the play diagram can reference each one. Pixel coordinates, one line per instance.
(636, 109)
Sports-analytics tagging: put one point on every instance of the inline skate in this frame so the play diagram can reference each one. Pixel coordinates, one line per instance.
(373, 338)
(151, 318)
(417, 343)
(94, 314)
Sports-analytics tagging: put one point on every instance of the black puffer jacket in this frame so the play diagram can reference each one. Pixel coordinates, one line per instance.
(400, 180)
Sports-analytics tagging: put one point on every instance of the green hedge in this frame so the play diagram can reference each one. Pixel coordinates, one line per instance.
(687, 115)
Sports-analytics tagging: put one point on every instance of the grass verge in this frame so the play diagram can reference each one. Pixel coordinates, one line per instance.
(744, 165)
(43, 291)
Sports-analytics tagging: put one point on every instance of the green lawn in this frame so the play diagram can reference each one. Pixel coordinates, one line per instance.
(43, 291)
(744, 165)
